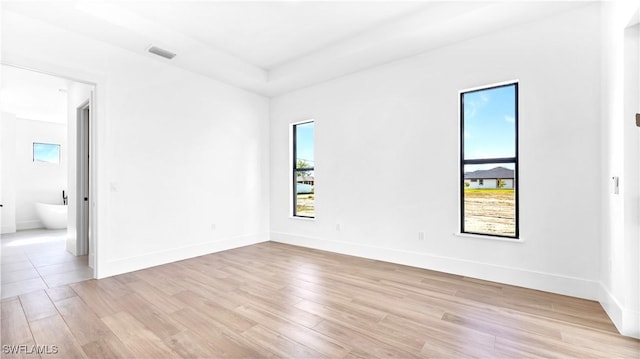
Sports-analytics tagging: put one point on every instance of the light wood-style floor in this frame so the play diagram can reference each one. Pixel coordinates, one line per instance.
(277, 301)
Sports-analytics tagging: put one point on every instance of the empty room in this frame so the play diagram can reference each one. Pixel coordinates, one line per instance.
(320, 179)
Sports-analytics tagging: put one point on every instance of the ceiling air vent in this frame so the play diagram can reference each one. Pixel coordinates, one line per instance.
(161, 52)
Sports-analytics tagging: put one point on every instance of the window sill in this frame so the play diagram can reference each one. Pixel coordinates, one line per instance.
(310, 219)
(494, 238)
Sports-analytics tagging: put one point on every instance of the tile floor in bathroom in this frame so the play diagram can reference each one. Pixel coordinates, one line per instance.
(37, 259)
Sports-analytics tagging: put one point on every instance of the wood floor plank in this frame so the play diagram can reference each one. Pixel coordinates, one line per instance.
(114, 287)
(280, 345)
(314, 292)
(341, 314)
(499, 324)
(203, 290)
(201, 277)
(189, 345)
(162, 279)
(81, 320)
(291, 313)
(320, 343)
(617, 345)
(59, 293)
(153, 319)
(37, 305)
(539, 307)
(430, 331)
(163, 302)
(362, 344)
(548, 348)
(52, 334)
(404, 307)
(137, 338)
(102, 303)
(222, 315)
(220, 340)
(109, 347)
(15, 331)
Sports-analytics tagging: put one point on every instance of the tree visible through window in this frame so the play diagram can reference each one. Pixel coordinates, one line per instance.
(489, 160)
(303, 170)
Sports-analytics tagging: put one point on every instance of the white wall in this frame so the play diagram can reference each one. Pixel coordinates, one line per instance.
(8, 170)
(620, 254)
(188, 155)
(180, 158)
(25, 181)
(397, 125)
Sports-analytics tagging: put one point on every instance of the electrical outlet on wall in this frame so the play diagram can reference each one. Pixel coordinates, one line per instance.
(421, 236)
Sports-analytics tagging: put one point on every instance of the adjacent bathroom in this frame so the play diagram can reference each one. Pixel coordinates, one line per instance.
(38, 174)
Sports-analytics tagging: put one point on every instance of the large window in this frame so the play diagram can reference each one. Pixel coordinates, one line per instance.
(489, 161)
(303, 170)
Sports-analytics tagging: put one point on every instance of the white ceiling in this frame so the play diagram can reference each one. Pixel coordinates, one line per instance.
(268, 34)
(271, 47)
(33, 96)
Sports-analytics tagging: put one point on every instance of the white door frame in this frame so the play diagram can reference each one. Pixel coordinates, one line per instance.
(83, 179)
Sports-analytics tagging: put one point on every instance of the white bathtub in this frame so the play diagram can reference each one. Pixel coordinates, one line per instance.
(53, 216)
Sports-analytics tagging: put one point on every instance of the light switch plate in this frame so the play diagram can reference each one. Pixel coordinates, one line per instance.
(615, 185)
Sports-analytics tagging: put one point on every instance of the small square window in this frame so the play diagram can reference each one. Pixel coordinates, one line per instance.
(46, 152)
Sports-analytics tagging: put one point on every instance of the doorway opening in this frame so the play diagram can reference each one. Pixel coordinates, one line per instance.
(45, 182)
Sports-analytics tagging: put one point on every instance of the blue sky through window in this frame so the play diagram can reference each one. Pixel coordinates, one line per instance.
(46, 152)
(304, 142)
(489, 123)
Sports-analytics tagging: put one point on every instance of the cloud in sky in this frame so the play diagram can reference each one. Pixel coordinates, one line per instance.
(473, 102)
(510, 119)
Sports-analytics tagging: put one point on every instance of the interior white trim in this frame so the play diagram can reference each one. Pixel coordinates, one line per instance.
(489, 237)
(8, 229)
(489, 86)
(627, 321)
(30, 224)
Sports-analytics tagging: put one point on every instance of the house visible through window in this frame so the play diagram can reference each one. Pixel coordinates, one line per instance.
(489, 161)
(303, 170)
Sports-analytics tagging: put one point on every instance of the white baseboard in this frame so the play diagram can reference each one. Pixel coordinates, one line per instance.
(134, 263)
(548, 282)
(627, 321)
(71, 243)
(8, 229)
(30, 224)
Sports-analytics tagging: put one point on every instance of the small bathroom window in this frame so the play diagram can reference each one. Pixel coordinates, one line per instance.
(46, 152)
